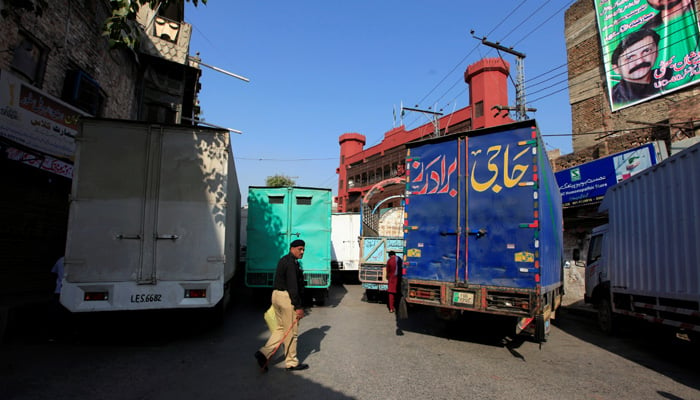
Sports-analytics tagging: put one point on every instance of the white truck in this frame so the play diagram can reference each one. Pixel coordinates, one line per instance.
(154, 218)
(644, 262)
(345, 242)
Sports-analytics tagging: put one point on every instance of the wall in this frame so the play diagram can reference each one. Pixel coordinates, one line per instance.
(597, 131)
(72, 32)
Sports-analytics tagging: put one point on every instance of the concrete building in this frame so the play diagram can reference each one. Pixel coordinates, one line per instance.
(360, 169)
(55, 68)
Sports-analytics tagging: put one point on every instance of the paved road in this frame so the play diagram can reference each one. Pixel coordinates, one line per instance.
(356, 350)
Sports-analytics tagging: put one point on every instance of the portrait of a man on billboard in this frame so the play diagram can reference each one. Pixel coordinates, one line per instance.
(650, 48)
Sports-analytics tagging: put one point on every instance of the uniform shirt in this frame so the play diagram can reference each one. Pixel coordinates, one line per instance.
(289, 277)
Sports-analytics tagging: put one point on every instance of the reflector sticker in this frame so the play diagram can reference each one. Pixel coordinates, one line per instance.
(524, 256)
(413, 253)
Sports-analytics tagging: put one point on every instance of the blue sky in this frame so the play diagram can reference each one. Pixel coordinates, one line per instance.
(319, 69)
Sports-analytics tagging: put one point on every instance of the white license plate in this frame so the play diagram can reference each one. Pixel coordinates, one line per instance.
(463, 298)
(146, 298)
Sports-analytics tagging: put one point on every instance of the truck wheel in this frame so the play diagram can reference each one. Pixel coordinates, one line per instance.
(321, 297)
(605, 316)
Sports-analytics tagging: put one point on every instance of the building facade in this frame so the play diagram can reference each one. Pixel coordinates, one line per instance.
(55, 68)
(599, 127)
(360, 169)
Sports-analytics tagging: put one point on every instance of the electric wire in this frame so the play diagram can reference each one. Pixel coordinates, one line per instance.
(568, 86)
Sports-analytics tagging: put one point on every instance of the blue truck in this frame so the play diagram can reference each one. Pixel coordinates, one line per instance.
(483, 226)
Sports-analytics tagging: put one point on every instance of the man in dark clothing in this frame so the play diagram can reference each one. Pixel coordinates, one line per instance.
(287, 302)
(633, 60)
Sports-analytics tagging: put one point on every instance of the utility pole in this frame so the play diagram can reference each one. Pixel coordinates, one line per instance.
(520, 107)
(436, 124)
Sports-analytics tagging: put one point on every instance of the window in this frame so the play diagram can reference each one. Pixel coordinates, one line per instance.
(303, 200)
(595, 249)
(29, 59)
(275, 199)
(479, 109)
(80, 90)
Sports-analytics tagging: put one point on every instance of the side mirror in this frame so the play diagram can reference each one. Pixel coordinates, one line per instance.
(576, 254)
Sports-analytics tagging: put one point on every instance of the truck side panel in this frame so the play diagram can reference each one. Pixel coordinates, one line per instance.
(654, 236)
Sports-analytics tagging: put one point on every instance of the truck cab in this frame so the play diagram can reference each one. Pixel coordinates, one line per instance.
(596, 268)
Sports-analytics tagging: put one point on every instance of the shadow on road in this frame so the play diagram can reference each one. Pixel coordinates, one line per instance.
(653, 346)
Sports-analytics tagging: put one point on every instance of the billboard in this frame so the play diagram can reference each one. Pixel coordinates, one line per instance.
(587, 183)
(36, 119)
(650, 48)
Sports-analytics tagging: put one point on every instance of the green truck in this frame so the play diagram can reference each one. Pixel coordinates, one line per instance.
(276, 217)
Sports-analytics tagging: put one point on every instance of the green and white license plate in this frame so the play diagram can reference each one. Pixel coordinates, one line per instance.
(463, 298)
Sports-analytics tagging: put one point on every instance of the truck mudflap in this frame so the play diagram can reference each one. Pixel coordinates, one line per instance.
(120, 296)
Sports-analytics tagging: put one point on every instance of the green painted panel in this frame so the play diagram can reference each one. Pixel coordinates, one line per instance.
(276, 217)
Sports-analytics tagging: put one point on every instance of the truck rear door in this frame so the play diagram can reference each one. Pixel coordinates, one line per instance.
(311, 221)
(267, 230)
(107, 230)
(501, 207)
(189, 215)
(434, 210)
(144, 198)
(470, 210)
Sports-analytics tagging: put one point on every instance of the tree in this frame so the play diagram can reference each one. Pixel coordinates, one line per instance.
(279, 181)
(119, 28)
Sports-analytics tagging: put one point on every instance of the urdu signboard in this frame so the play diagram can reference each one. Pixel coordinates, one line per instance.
(587, 183)
(650, 48)
(36, 120)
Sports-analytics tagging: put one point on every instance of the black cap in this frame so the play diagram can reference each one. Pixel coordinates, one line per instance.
(297, 243)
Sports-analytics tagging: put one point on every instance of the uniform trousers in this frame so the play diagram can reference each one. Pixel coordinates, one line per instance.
(286, 316)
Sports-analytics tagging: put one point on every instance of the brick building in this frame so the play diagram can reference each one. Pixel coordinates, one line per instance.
(598, 131)
(55, 68)
(360, 169)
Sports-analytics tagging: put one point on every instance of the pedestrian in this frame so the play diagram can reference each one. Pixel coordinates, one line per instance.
(393, 272)
(287, 301)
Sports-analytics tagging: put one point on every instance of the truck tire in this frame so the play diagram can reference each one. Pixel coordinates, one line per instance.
(605, 316)
(321, 295)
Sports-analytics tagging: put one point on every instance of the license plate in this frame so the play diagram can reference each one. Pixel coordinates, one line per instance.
(463, 298)
(146, 298)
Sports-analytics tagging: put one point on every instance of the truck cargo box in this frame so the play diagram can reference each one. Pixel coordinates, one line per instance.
(644, 262)
(483, 223)
(154, 217)
(276, 217)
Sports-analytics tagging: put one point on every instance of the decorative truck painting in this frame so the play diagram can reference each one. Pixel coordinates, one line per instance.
(483, 226)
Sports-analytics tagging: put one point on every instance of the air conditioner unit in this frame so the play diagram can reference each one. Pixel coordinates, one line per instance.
(80, 90)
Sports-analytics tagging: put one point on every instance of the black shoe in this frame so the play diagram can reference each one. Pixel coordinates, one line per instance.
(299, 367)
(262, 360)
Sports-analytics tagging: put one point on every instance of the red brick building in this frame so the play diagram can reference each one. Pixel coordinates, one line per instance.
(361, 168)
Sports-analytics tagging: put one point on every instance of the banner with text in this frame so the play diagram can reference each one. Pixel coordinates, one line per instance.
(650, 48)
(587, 183)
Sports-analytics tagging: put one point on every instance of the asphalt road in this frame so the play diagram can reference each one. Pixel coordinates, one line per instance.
(355, 349)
